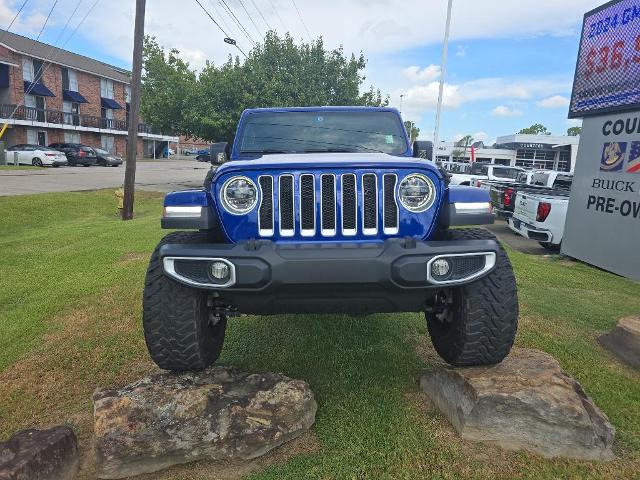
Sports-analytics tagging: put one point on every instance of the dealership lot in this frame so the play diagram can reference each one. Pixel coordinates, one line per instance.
(160, 175)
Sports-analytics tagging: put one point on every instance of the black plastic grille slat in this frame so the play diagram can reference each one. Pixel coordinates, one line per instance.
(328, 202)
(369, 193)
(349, 202)
(266, 207)
(307, 203)
(193, 270)
(466, 266)
(286, 203)
(390, 207)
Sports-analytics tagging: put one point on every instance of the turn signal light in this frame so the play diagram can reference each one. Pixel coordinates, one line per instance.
(544, 208)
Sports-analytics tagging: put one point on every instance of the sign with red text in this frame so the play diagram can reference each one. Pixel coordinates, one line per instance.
(607, 77)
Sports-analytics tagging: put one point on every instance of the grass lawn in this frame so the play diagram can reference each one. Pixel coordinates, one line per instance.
(70, 291)
(17, 167)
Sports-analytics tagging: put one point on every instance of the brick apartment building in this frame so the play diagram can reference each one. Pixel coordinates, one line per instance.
(72, 98)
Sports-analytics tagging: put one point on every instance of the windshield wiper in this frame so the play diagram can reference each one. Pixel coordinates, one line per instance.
(266, 150)
(329, 150)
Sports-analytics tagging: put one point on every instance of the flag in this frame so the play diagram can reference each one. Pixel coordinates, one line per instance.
(633, 165)
(473, 154)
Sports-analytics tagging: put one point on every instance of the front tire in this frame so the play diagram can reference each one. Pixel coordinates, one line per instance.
(478, 325)
(180, 330)
(36, 162)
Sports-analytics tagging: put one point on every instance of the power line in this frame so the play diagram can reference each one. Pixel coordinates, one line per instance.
(226, 7)
(263, 19)
(218, 25)
(275, 10)
(251, 19)
(46, 20)
(217, 14)
(4, 34)
(301, 20)
(60, 49)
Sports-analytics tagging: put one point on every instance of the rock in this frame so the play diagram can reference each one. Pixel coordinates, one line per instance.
(624, 341)
(217, 414)
(40, 455)
(527, 402)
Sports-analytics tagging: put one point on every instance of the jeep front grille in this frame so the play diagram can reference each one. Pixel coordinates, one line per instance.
(328, 204)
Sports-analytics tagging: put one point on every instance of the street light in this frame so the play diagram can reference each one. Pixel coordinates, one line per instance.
(230, 41)
(401, 95)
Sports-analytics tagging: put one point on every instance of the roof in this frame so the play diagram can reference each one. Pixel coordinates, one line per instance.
(44, 51)
(554, 140)
(329, 108)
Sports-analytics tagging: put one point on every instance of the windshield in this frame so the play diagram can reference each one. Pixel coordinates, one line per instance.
(323, 131)
(501, 172)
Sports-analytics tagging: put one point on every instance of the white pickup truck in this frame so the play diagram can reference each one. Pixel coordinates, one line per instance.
(484, 171)
(540, 216)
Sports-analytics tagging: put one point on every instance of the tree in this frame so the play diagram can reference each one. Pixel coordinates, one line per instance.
(276, 73)
(465, 142)
(536, 129)
(412, 130)
(167, 83)
(574, 131)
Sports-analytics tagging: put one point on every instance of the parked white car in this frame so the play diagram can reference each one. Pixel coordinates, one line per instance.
(541, 217)
(36, 155)
(485, 171)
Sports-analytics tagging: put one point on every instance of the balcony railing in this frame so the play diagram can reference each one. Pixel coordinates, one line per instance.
(45, 115)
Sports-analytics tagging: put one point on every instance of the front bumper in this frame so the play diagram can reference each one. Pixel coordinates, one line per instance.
(60, 163)
(385, 276)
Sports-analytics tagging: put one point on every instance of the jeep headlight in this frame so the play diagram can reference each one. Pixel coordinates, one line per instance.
(416, 192)
(239, 195)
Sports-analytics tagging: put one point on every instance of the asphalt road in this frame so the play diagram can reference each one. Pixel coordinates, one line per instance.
(159, 175)
(515, 241)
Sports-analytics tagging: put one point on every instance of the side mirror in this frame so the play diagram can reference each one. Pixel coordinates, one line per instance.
(423, 149)
(219, 153)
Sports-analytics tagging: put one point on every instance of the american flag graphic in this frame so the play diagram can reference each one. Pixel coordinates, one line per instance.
(633, 165)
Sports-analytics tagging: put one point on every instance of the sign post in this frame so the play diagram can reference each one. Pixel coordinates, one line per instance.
(603, 217)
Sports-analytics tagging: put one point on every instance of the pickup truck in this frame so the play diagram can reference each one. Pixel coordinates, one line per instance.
(484, 171)
(537, 181)
(541, 216)
(327, 210)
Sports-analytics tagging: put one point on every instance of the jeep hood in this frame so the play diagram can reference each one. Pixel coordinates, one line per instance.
(328, 161)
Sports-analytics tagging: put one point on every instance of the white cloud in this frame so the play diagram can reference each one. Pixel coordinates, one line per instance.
(504, 111)
(428, 73)
(374, 26)
(556, 101)
(461, 51)
(419, 98)
(480, 136)
(574, 122)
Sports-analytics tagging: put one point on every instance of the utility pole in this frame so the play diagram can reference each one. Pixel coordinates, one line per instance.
(134, 112)
(443, 69)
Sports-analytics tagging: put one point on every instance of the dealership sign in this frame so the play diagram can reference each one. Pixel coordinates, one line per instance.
(603, 217)
(607, 74)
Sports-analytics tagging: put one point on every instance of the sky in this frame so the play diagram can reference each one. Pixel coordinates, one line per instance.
(510, 63)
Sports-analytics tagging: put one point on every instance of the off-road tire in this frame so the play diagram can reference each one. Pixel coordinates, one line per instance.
(178, 326)
(480, 326)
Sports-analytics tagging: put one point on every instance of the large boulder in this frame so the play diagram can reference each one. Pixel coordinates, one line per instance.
(624, 341)
(40, 455)
(217, 414)
(527, 402)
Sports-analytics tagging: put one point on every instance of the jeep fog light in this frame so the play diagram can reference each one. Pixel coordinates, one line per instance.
(219, 270)
(239, 195)
(440, 268)
(416, 192)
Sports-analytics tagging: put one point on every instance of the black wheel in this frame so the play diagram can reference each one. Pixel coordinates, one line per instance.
(102, 163)
(180, 330)
(550, 246)
(36, 162)
(476, 324)
(72, 162)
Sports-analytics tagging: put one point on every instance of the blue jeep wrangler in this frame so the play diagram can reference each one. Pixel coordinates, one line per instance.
(324, 210)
